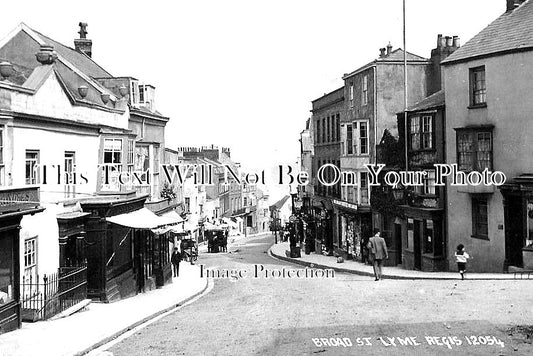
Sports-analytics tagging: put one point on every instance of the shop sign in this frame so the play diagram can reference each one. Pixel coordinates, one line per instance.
(345, 204)
(19, 198)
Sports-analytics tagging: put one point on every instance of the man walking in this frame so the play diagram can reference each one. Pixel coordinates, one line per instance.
(378, 251)
(176, 259)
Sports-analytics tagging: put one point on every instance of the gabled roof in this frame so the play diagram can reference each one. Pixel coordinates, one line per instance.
(433, 101)
(19, 48)
(394, 57)
(79, 59)
(512, 31)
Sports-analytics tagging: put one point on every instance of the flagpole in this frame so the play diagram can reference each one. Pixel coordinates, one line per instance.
(405, 91)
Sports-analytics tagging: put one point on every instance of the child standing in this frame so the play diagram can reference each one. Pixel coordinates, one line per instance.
(461, 257)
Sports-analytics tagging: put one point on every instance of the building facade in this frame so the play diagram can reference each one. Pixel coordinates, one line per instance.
(488, 125)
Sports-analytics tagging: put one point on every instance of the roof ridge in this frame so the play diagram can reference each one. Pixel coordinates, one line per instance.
(505, 33)
(47, 38)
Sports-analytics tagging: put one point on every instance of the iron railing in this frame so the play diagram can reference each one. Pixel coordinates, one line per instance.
(42, 298)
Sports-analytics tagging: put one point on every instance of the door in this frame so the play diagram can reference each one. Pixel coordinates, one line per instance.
(398, 239)
(417, 245)
(514, 232)
(138, 260)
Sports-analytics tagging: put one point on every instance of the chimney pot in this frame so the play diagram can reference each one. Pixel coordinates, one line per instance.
(513, 4)
(439, 40)
(382, 52)
(456, 42)
(389, 49)
(449, 41)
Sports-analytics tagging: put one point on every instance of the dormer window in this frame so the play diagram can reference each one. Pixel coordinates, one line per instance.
(134, 93)
(141, 94)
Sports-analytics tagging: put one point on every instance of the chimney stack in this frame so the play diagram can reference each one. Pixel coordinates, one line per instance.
(389, 49)
(83, 44)
(439, 40)
(513, 4)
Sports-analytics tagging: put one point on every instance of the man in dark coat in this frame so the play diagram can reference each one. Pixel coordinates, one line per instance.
(378, 251)
(176, 259)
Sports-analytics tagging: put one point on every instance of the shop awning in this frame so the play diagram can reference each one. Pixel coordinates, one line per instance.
(173, 214)
(141, 219)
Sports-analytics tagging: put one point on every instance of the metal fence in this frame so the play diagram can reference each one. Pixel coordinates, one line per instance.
(54, 293)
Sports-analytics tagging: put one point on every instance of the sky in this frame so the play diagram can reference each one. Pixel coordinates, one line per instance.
(242, 73)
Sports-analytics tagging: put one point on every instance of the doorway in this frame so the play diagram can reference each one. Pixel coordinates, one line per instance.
(398, 243)
(417, 246)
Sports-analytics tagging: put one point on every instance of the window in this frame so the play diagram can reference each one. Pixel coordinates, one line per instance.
(350, 196)
(134, 93)
(349, 139)
(364, 188)
(245, 201)
(30, 253)
(428, 236)
(363, 138)
(32, 160)
(188, 205)
(142, 89)
(2, 165)
(113, 150)
(478, 89)
(131, 155)
(70, 180)
(364, 91)
(318, 136)
(427, 132)
(7, 266)
(474, 150)
(328, 129)
(338, 120)
(351, 94)
(429, 183)
(480, 218)
(414, 132)
(142, 158)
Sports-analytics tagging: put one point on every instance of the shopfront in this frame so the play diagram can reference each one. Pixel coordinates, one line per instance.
(10, 216)
(124, 255)
(518, 221)
(422, 235)
(354, 229)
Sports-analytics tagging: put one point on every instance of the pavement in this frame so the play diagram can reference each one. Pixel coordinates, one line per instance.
(100, 323)
(354, 267)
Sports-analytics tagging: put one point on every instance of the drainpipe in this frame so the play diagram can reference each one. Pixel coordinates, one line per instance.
(405, 90)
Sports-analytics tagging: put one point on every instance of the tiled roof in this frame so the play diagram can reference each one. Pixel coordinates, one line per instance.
(510, 32)
(432, 101)
(78, 59)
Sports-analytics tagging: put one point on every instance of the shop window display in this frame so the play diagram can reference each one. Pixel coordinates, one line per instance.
(6, 271)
